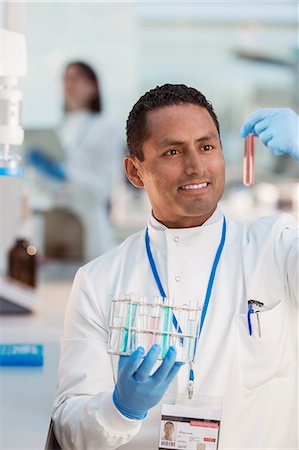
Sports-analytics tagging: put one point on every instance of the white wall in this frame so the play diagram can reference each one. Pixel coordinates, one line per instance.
(103, 34)
(198, 44)
(137, 45)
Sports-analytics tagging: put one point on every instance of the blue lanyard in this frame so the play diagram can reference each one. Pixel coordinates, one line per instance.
(209, 287)
(157, 278)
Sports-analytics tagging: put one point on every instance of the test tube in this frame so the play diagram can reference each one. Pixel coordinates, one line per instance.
(132, 343)
(129, 320)
(190, 330)
(116, 320)
(141, 323)
(177, 340)
(248, 165)
(167, 325)
(153, 323)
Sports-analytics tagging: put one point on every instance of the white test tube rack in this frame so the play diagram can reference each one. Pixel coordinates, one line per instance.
(136, 321)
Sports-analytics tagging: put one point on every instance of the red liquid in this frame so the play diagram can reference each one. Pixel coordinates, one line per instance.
(248, 165)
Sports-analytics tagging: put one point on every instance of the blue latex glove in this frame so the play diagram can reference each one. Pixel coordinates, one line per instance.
(46, 165)
(137, 391)
(277, 128)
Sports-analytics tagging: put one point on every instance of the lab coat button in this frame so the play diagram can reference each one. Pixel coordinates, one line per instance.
(176, 238)
(177, 278)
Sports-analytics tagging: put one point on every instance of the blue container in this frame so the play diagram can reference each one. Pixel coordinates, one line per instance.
(21, 355)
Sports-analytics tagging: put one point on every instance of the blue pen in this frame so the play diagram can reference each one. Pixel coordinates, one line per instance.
(251, 311)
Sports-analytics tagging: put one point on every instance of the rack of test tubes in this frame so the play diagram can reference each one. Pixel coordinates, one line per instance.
(139, 322)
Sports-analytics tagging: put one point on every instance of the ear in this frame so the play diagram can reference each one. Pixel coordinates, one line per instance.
(132, 166)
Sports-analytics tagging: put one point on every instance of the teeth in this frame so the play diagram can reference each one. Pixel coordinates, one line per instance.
(194, 186)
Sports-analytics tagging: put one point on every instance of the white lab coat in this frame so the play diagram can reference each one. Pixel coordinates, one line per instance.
(256, 377)
(93, 162)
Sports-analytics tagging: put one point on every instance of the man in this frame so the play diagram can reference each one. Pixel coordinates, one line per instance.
(106, 402)
(168, 431)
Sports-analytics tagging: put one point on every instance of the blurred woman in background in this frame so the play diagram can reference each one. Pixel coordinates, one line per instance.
(93, 156)
(86, 178)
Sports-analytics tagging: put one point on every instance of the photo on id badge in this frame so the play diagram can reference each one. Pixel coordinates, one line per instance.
(168, 434)
(168, 438)
(188, 433)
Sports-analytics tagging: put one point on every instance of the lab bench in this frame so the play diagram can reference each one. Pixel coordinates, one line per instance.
(26, 393)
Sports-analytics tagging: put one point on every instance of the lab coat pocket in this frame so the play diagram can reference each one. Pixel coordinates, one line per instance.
(265, 355)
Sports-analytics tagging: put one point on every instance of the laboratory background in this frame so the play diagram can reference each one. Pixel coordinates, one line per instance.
(242, 55)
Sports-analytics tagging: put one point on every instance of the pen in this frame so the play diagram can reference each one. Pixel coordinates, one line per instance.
(251, 311)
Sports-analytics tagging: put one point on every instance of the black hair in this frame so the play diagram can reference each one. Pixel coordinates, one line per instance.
(168, 423)
(160, 96)
(95, 105)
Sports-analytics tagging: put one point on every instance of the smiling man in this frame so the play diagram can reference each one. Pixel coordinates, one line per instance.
(182, 167)
(244, 279)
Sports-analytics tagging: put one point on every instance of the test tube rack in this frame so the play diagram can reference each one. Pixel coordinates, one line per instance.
(139, 322)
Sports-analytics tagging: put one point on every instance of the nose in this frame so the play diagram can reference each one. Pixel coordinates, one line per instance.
(194, 162)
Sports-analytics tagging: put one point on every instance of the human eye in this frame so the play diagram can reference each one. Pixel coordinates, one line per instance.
(207, 147)
(171, 152)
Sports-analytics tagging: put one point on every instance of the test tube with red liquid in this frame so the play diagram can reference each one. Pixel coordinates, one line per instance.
(248, 165)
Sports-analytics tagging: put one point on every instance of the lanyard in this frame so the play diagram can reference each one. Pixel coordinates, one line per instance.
(207, 296)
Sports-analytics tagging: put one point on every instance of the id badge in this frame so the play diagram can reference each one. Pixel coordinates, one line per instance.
(191, 424)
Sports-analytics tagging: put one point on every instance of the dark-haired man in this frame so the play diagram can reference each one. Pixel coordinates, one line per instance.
(243, 277)
(168, 431)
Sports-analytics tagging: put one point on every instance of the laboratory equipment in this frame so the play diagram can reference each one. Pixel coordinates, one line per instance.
(141, 337)
(153, 323)
(167, 325)
(248, 165)
(189, 343)
(21, 355)
(22, 262)
(136, 321)
(128, 336)
(16, 297)
(13, 65)
(22, 255)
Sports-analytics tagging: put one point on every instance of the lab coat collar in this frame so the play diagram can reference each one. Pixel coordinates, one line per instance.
(163, 237)
(77, 116)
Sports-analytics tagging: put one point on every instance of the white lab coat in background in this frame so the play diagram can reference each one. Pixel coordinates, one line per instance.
(93, 163)
(255, 376)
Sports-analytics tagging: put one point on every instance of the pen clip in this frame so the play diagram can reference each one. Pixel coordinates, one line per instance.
(255, 302)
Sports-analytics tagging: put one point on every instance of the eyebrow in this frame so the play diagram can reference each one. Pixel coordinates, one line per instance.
(168, 142)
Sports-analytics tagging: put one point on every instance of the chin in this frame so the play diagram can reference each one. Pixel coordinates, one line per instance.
(200, 212)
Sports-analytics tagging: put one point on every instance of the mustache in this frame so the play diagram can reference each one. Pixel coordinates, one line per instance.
(195, 181)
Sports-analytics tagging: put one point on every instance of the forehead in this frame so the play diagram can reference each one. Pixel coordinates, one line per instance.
(74, 72)
(71, 70)
(176, 121)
